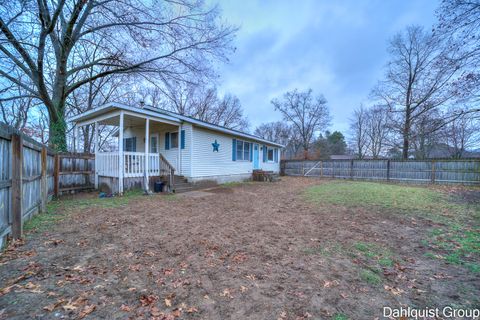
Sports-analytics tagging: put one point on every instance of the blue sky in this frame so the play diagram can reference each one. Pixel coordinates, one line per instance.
(337, 48)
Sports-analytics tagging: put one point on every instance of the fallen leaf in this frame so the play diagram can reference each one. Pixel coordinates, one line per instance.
(168, 272)
(176, 313)
(226, 293)
(86, 311)
(52, 306)
(394, 291)
(192, 310)
(147, 300)
(155, 312)
(168, 302)
(125, 308)
(243, 289)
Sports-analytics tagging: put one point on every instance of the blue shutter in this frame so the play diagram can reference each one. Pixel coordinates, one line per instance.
(264, 153)
(182, 139)
(234, 150)
(167, 140)
(275, 154)
(251, 151)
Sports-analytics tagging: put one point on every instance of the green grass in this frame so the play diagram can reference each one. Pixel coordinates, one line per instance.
(401, 198)
(339, 316)
(458, 242)
(58, 210)
(370, 277)
(457, 245)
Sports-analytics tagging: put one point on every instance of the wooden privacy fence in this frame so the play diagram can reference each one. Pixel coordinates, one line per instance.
(30, 174)
(465, 171)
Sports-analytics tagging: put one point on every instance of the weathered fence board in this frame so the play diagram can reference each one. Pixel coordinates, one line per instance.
(445, 171)
(28, 176)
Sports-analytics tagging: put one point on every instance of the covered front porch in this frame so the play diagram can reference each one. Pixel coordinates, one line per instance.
(136, 158)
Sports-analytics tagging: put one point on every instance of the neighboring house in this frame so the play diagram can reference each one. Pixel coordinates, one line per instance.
(158, 143)
(342, 157)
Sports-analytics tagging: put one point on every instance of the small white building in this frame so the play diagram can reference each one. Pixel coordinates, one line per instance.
(155, 143)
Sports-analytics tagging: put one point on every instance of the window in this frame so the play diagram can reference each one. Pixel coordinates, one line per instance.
(154, 144)
(243, 150)
(130, 144)
(174, 140)
(270, 154)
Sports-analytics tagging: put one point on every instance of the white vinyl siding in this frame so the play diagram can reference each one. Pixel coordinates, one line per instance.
(206, 163)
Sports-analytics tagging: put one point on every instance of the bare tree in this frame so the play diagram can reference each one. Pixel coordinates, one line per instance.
(419, 79)
(41, 40)
(228, 112)
(358, 128)
(377, 130)
(307, 114)
(459, 24)
(282, 133)
(462, 134)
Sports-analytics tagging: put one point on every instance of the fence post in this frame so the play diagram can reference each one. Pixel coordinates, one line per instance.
(56, 171)
(43, 182)
(351, 169)
(388, 170)
(321, 169)
(433, 172)
(17, 192)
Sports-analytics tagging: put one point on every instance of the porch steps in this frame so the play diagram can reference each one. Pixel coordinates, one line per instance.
(181, 184)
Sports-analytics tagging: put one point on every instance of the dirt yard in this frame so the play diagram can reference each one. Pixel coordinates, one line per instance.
(248, 251)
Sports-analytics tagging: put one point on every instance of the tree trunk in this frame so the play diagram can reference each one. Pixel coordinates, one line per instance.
(406, 133)
(57, 136)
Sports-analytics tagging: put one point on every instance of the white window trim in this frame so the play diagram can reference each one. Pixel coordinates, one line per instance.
(273, 154)
(178, 141)
(243, 151)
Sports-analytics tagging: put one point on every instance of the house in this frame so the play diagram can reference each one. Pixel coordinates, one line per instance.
(155, 143)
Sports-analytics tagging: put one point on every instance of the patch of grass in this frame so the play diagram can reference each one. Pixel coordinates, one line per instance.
(235, 183)
(370, 277)
(59, 209)
(458, 241)
(460, 245)
(339, 316)
(43, 221)
(401, 198)
(373, 254)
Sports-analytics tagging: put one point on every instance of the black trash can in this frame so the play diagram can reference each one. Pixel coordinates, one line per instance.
(158, 186)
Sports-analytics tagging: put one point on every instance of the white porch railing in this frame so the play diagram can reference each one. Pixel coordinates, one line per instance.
(134, 164)
(107, 164)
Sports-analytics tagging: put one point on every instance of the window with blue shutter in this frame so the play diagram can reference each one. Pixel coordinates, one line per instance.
(276, 155)
(234, 149)
(264, 149)
(167, 140)
(182, 139)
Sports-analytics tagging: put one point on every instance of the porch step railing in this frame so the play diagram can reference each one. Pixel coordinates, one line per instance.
(166, 169)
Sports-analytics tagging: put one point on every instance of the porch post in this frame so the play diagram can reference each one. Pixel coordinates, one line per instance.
(95, 142)
(179, 158)
(147, 154)
(121, 159)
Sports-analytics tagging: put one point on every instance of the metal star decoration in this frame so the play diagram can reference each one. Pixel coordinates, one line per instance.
(215, 145)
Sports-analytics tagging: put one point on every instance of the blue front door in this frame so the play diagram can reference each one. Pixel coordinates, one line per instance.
(255, 157)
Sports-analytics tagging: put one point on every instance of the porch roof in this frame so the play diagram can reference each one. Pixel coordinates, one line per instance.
(109, 110)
